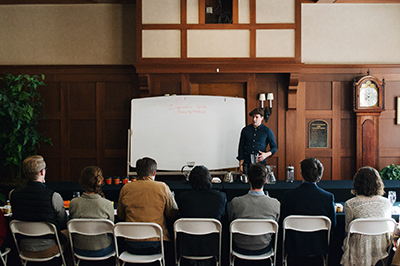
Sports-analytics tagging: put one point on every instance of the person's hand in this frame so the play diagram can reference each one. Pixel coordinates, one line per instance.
(263, 155)
(241, 169)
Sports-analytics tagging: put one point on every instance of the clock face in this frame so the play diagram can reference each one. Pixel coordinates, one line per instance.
(368, 94)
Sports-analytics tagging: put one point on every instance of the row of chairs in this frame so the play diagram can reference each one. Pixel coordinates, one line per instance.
(193, 226)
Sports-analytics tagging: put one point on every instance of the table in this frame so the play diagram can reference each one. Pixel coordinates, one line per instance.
(340, 188)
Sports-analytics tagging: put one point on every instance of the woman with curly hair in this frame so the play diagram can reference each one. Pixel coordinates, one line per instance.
(92, 204)
(368, 203)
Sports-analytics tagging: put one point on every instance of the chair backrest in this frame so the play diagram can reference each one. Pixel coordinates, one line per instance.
(372, 226)
(34, 229)
(198, 226)
(254, 227)
(307, 224)
(90, 227)
(138, 230)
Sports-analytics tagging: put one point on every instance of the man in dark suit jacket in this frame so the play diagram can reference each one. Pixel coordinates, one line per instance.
(308, 199)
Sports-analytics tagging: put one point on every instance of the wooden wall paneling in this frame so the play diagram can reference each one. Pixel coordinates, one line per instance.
(202, 13)
(65, 170)
(295, 131)
(252, 96)
(336, 130)
(100, 122)
(319, 95)
(184, 29)
(186, 87)
(281, 135)
(253, 37)
(297, 41)
(235, 11)
(139, 28)
(144, 85)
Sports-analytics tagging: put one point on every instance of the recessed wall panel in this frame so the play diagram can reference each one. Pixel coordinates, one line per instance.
(275, 43)
(193, 11)
(161, 11)
(350, 33)
(275, 11)
(161, 43)
(244, 11)
(218, 43)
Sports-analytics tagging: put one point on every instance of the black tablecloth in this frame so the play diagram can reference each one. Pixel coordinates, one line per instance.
(340, 188)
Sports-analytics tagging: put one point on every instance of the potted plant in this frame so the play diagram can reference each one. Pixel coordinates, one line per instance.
(390, 172)
(21, 108)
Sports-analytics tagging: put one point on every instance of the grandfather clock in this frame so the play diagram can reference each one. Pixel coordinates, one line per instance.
(368, 103)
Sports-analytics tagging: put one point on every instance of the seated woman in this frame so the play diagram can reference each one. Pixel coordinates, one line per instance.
(92, 205)
(368, 203)
(200, 202)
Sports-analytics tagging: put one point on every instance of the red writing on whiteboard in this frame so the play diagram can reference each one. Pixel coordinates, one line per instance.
(188, 109)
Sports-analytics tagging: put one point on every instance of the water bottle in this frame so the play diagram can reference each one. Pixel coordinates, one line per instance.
(290, 173)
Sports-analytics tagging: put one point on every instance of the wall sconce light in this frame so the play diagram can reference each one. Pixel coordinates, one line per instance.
(270, 98)
(262, 99)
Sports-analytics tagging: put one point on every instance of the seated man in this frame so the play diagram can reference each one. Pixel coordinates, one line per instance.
(308, 199)
(147, 200)
(254, 205)
(37, 203)
(200, 202)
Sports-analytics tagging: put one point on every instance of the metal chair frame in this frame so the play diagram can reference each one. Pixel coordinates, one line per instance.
(306, 223)
(253, 227)
(197, 226)
(35, 229)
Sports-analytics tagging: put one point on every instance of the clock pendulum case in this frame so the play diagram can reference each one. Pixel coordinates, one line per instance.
(368, 103)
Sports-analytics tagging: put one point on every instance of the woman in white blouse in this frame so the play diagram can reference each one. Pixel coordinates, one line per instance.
(368, 203)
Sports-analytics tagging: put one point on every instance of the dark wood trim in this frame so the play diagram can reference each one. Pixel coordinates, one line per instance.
(202, 11)
(100, 121)
(235, 11)
(184, 30)
(297, 38)
(139, 29)
(336, 130)
(64, 131)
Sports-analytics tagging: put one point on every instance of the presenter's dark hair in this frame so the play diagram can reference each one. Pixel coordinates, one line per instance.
(368, 182)
(257, 175)
(200, 178)
(312, 170)
(91, 179)
(145, 167)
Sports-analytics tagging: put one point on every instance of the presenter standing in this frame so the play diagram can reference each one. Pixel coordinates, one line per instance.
(254, 140)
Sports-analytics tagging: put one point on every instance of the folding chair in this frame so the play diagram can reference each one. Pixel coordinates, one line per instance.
(89, 227)
(4, 255)
(35, 229)
(253, 227)
(139, 231)
(308, 224)
(198, 227)
(372, 226)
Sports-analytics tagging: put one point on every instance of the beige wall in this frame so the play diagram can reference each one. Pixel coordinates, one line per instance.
(351, 33)
(101, 34)
(94, 34)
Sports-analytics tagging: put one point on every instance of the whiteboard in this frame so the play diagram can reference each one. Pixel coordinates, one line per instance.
(175, 130)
